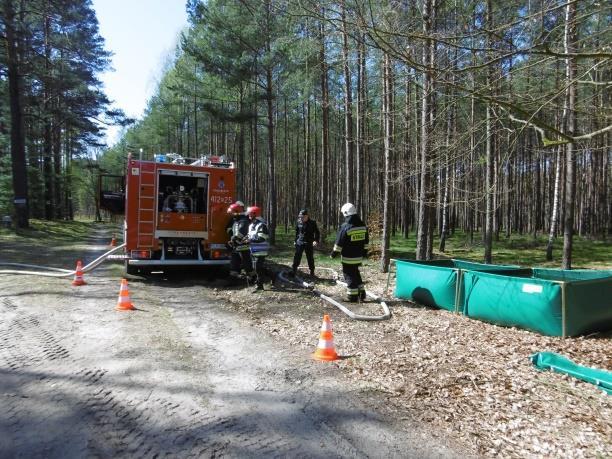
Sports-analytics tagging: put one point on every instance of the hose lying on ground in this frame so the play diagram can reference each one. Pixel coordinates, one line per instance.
(302, 283)
(57, 272)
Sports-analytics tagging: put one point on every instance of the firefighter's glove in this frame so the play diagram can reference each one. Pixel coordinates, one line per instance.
(334, 254)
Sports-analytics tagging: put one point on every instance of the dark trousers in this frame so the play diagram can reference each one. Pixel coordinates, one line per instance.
(241, 260)
(297, 258)
(258, 265)
(352, 277)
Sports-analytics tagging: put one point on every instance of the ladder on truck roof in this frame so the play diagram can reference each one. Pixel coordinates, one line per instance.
(147, 194)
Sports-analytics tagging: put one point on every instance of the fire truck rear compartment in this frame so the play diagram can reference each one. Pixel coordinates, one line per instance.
(181, 193)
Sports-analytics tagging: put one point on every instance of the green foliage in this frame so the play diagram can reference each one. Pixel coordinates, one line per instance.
(60, 55)
(518, 250)
(6, 185)
(50, 232)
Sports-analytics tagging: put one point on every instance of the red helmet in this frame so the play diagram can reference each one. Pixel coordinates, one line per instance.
(254, 211)
(235, 208)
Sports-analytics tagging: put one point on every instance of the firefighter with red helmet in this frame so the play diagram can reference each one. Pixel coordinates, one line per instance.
(258, 242)
(352, 243)
(238, 230)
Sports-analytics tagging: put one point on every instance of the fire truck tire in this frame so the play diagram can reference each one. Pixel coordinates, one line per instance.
(129, 269)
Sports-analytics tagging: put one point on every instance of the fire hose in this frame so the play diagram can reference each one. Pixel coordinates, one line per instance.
(57, 272)
(302, 283)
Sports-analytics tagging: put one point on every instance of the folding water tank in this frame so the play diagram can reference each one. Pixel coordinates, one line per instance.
(553, 302)
(437, 282)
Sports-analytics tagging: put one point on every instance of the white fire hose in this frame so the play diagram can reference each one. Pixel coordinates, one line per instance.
(302, 283)
(57, 272)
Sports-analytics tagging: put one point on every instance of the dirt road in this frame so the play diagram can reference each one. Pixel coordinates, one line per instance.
(182, 376)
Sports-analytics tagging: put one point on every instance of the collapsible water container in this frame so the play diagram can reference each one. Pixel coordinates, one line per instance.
(437, 283)
(553, 302)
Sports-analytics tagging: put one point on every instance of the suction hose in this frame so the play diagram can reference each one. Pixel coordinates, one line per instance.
(57, 272)
(302, 283)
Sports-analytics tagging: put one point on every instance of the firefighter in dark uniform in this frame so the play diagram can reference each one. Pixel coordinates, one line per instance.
(238, 230)
(307, 236)
(352, 243)
(258, 242)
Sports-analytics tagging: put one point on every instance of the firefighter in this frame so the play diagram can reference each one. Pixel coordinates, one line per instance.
(258, 243)
(307, 236)
(238, 230)
(352, 242)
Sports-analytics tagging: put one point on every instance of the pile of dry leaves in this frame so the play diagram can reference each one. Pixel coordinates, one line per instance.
(467, 379)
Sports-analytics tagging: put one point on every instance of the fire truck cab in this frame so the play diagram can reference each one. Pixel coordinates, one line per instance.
(175, 212)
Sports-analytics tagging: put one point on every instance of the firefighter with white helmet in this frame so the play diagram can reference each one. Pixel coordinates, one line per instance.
(258, 242)
(238, 230)
(352, 243)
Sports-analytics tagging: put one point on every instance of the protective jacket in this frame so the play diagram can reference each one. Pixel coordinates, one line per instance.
(307, 232)
(258, 237)
(352, 240)
(239, 232)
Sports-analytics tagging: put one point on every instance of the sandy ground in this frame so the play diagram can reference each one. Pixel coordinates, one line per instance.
(199, 370)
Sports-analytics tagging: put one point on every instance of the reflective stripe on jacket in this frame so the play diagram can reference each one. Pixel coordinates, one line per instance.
(258, 238)
(352, 240)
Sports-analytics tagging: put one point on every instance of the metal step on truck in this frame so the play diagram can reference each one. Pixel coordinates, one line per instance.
(175, 212)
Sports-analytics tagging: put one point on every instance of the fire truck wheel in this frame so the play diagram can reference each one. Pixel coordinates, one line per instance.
(129, 269)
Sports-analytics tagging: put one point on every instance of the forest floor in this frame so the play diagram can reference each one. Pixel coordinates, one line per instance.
(469, 385)
(470, 380)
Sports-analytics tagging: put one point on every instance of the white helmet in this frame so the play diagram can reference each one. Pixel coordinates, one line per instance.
(348, 209)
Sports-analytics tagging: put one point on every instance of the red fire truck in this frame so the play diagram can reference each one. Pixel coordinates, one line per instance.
(175, 211)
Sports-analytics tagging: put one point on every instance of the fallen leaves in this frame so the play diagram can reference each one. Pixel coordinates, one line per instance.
(471, 380)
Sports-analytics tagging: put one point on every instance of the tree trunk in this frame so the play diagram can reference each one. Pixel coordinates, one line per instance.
(360, 122)
(570, 168)
(387, 112)
(348, 111)
(325, 159)
(270, 100)
(47, 150)
(490, 145)
(425, 228)
(554, 216)
(18, 159)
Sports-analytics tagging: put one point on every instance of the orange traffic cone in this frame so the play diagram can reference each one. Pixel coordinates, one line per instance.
(78, 275)
(325, 348)
(124, 303)
(113, 242)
